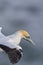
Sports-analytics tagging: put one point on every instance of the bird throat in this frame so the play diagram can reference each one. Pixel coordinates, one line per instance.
(15, 39)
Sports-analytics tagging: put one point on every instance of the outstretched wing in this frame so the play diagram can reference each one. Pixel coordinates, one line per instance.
(11, 49)
(13, 54)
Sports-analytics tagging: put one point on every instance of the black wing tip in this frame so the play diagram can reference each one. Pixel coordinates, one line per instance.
(14, 56)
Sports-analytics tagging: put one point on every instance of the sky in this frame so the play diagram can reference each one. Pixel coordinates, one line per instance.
(27, 15)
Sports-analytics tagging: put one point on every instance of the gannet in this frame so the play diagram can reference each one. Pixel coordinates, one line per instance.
(10, 44)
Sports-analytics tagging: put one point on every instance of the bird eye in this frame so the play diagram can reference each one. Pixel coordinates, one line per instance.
(28, 37)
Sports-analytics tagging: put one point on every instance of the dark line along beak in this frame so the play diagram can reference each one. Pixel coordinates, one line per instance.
(29, 40)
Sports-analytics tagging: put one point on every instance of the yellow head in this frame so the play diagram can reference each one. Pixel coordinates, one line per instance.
(24, 33)
(26, 36)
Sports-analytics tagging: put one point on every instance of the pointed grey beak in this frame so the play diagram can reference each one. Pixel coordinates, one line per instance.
(29, 40)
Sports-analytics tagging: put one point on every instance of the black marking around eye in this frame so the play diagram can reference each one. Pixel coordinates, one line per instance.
(27, 36)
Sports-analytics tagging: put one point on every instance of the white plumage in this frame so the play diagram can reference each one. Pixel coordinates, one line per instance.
(10, 44)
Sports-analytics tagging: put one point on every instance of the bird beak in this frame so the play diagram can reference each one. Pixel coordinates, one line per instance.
(29, 40)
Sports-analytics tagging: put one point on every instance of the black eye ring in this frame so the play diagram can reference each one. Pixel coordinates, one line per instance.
(27, 36)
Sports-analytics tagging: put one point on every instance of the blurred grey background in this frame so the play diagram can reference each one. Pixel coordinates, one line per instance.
(27, 15)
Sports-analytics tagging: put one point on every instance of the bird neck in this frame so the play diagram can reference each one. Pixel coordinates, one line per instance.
(15, 38)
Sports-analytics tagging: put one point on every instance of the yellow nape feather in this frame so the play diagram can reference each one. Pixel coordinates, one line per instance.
(24, 33)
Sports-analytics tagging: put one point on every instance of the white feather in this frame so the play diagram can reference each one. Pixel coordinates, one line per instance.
(4, 41)
(15, 38)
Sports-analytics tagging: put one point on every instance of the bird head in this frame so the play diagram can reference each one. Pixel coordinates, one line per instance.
(26, 35)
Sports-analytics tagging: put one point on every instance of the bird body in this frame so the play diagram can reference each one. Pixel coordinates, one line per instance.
(13, 50)
(15, 38)
(10, 44)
